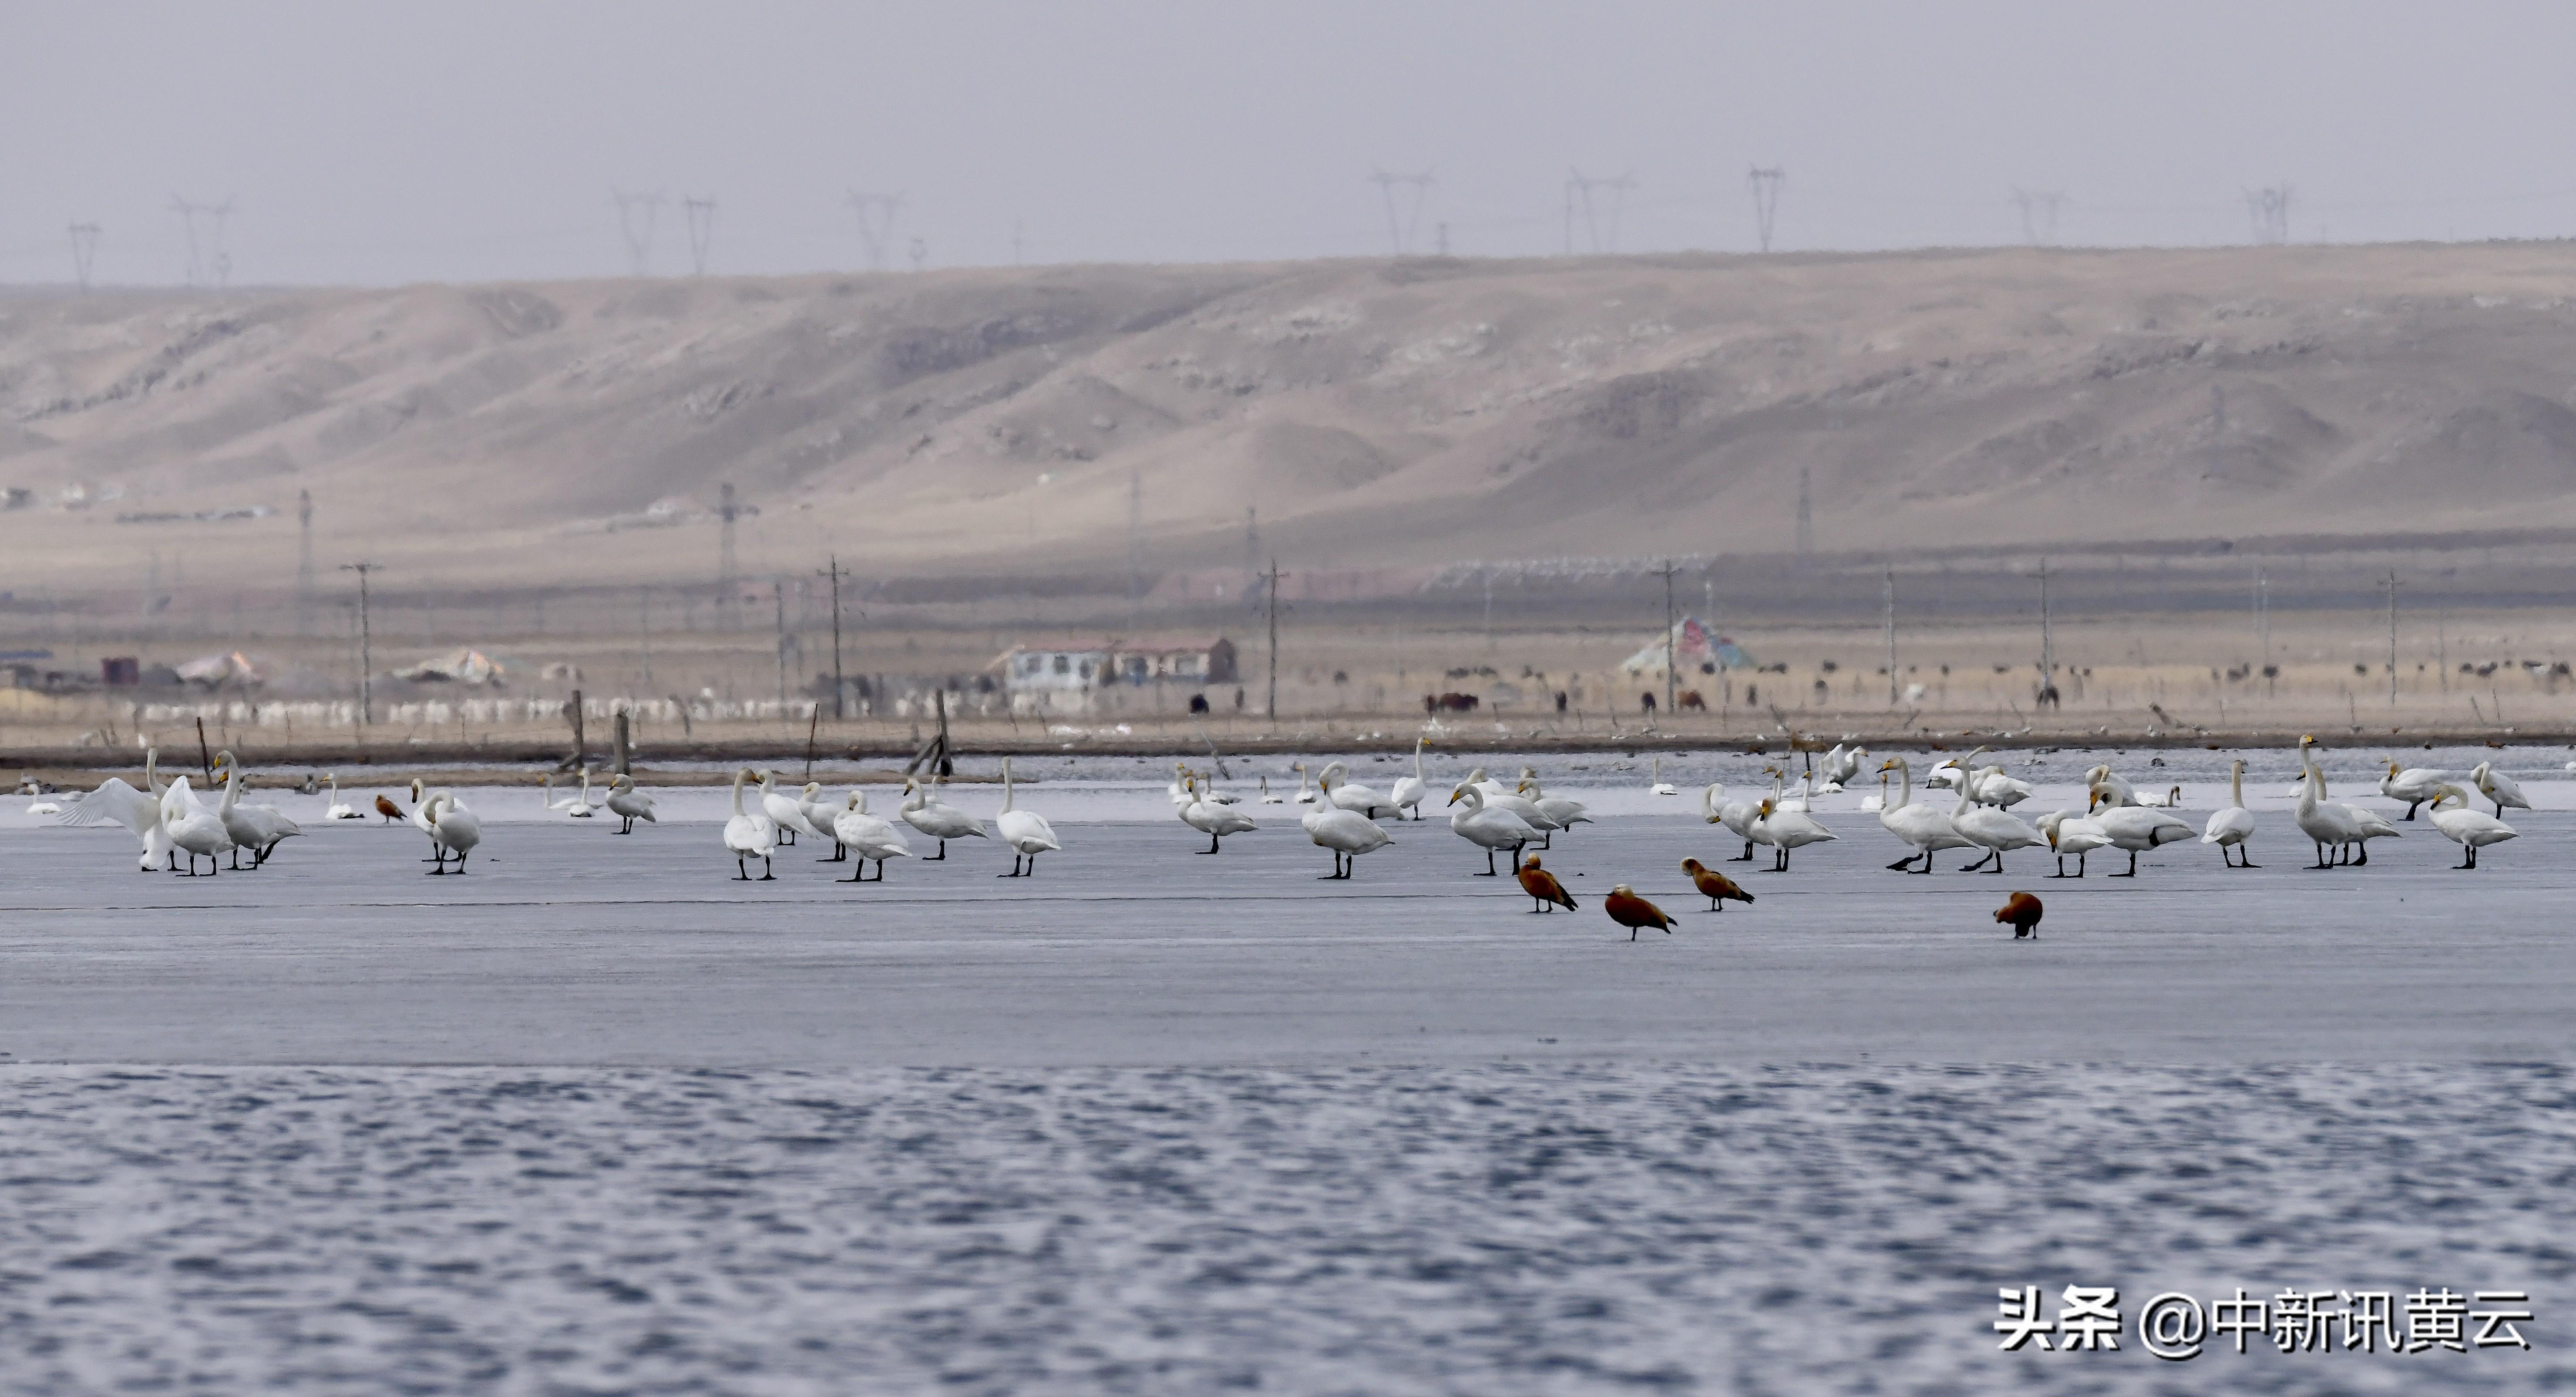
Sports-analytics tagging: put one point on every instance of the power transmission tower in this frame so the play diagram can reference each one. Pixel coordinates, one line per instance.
(304, 563)
(1016, 258)
(1580, 186)
(1672, 656)
(726, 584)
(876, 224)
(84, 251)
(2269, 208)
(1399, 232)
(701, 214)
(637, 216)
(2039, 214)
(366, 646)
(208, 262)
(1271, 592)
(919, 252)
(1135, 549)
(1806, 517)
(840, 688)
(1765, 184)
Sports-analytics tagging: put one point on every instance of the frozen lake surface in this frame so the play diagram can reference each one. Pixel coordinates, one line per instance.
(596, 1117)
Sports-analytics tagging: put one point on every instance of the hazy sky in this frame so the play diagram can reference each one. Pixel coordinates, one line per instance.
(464, 140)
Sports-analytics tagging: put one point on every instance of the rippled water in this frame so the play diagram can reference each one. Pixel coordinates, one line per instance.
(1481, 1229)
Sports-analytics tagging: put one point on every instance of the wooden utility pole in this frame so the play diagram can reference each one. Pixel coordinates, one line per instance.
(1887, 594)
(840, 688)
(2392, 637)
(366, 646)
(1672, 655)
(1270, 593)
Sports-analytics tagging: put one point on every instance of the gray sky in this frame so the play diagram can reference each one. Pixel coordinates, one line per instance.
(469, 140)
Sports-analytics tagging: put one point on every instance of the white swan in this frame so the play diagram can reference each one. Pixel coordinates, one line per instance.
(337, 809)
(1026, 831)
(455, 829)
(419, 819)
(2135, 828)
(1916, 825)
(749, 836)
(868, 836)
(819, 814)
(2367, 825)
(2413, 785)
(785, 811)
(1354, 797)
(1491, 828)
(196, 830)
(1566, 813)
(1785, 830)
(1266, 797)
(1305, 794)
(2070, 833)
(1502, 797)
(1346, 833)
(139, 811)
(629, 804)
(1215, 821)
(925, 811)
(2471, 829)
(1991, 828)
(2122, 793)
(546, 792)
(1735, 816)
(2328, 824)
(2500, 788)
(257, 828)
(1410, 791)
(1661, 787)
(2231, 827)
(583, 808)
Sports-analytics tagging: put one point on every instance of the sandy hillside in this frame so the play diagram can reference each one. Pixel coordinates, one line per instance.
(988, 422)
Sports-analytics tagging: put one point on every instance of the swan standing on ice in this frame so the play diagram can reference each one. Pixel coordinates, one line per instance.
(2136, 828)
(1785, 830)
(925, 811)
(1990, 828)
(2466, 827)
(784, 811)
(869, 836)
(1026, 831)
(1493, 828)
(338, 809)
(749, 836)
(2413, 785)
(455, 830)
(195, 829)
(1409, 792)
(2498, 787)
(419, 819)
(139, 811)
(1735, 816)
(1213, 820)
(2366, 825)
(258, 828)
(1566, 813)
(1916, 824)
(1347, 833)
(2070, 833)
(2231, 827)
(2329, 824)
(629, 804)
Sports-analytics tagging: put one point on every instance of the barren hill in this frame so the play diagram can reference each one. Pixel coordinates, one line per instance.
(1379, 414)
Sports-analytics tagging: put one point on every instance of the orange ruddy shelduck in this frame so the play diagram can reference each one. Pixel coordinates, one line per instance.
(1542, 886)
(386, 808)
(1634, 912)
(2022, 910)
(1713, 885)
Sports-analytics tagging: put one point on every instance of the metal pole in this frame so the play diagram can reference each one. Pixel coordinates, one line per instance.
(1887, 592)
(2392, 638)
(2047, 639)
(366, 646)
(1272, 592)
(1672, 656)
(778, 592)
(840, 686)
